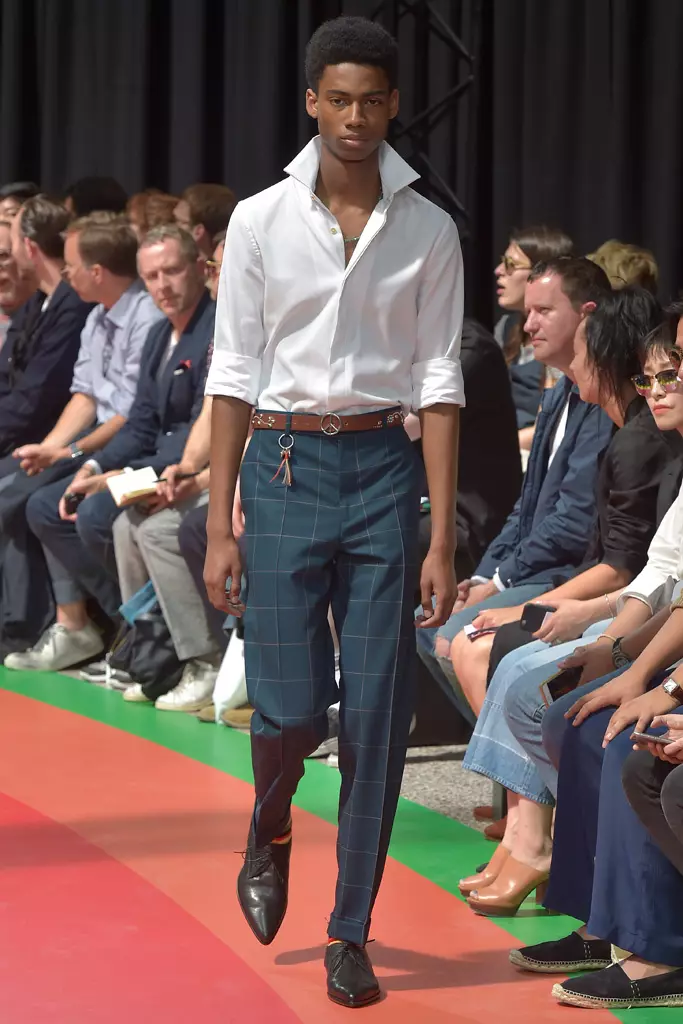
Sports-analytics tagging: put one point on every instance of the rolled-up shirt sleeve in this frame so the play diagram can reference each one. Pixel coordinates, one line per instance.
(436, 370)
(655, 584)
(239, 338)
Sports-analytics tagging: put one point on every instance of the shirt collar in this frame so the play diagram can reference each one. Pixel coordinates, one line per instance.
(393, 169)
(117, 313)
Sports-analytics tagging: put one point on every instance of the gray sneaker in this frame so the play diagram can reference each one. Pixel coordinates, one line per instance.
(58, 648)
(100, 673)
(331, 744)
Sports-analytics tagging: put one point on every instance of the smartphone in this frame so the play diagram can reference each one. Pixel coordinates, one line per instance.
(648, 737)
(71, 502)
(533, 616)
(559, 685)
(472, 633)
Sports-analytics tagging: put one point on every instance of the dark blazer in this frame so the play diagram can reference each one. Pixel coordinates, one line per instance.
(167, 404)
(36, 365)
(548, 532)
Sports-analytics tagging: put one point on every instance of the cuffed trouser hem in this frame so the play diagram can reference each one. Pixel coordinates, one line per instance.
(348, 931)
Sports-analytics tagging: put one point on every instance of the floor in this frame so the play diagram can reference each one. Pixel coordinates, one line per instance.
(120, 832)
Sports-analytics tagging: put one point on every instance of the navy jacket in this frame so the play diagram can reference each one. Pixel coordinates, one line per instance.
(164, 410)
(36, 365)
(550, 528)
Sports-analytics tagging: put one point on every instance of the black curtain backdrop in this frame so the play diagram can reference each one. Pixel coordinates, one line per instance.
(573, 117)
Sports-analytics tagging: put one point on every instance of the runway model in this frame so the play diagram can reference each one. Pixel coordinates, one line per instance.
(339, 310)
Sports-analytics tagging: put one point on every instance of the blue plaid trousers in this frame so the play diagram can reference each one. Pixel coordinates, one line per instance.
(344, 534)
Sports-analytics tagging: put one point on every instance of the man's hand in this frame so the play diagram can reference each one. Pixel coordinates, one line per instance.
(438, 580)
(492, 618)
(615, 693)
(673, 751)
(237, 513)
(640, 710)
(34, 458)
(479, 592)
(567, 623)
(85, 483)
(595, 660)
(223, 564)
(175, 490)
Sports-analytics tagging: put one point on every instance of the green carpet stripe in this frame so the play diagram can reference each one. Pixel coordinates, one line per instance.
(436, 847)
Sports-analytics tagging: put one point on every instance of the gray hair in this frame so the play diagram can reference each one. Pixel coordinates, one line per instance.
(188, 246)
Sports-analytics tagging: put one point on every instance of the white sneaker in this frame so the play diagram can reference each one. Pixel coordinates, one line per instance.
(194, 691)
(134, 693)
(58, 648)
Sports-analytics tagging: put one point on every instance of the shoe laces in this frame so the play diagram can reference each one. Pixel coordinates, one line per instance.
(350, 951)
(258, 860)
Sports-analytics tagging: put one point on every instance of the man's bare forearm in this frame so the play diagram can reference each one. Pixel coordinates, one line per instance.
(440, 433)
(230, 419)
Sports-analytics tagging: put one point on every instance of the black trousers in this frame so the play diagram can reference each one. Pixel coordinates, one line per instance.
(654, 790)
(192, 541)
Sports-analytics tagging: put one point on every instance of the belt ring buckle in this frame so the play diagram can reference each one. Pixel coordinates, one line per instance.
(330, 424)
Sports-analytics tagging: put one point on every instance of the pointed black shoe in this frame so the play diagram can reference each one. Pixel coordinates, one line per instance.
(262, 887)
(351, 980)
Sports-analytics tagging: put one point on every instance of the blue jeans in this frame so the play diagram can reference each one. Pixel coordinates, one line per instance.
(607, 870)
(441, 668)
(509, 726)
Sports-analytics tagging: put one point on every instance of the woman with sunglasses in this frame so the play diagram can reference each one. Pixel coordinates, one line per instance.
(607, 353)
(525, 248)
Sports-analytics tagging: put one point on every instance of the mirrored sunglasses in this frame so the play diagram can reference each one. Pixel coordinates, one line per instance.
(510, 265)
(668, 381)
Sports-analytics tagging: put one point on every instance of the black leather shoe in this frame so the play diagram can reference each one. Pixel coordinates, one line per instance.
(262, 887)
(351, 980)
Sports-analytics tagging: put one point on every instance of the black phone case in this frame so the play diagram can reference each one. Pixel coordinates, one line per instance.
(533, 616)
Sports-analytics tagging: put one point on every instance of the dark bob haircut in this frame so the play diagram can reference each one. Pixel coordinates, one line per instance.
(540, 242)
(663, 338)
(615, 335)
(351, 41)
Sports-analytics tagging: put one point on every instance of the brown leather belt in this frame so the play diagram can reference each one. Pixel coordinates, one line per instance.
(330, 423)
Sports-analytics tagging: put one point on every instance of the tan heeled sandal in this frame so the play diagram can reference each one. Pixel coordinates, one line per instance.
(505, 895)
(488, 875)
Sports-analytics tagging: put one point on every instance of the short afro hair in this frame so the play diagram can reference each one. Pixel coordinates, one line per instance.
(351, 41)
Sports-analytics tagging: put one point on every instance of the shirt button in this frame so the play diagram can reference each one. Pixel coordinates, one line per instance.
(333, 231)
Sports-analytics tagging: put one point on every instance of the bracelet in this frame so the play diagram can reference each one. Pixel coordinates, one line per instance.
(609, 605)
(607, 636)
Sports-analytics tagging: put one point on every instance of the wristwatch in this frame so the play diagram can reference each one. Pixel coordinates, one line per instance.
(671, 687)
(620, 658)
(76, 452)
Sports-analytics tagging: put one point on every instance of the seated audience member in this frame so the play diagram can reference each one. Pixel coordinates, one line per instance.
(608, 355)
(214, 264)
(100, 265)
(489, 468)
(607, 869)
(150, 209)
(37, 359)
(525, 248)
(147, 547)
(204, 210)
(627, 264)
(169, 397)
(13, 195)
(545, 537)
(16, 287)
(88, 195)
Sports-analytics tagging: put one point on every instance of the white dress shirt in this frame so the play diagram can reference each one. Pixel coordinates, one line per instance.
(298, 330)
(659, 582)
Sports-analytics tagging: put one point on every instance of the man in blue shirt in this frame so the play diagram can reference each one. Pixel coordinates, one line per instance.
(100, 263)
(170, 393)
